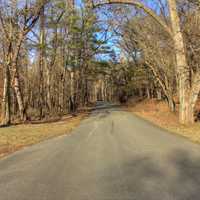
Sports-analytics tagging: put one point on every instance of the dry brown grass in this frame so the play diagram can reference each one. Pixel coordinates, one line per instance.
(158, 113)
(16, 137)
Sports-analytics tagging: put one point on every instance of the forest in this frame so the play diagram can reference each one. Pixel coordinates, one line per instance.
(57, 56)
(99, 99)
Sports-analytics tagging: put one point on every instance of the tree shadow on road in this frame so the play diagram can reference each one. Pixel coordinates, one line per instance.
(144, 178)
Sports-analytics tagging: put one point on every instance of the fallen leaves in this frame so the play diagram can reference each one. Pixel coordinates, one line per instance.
(16, 137)
(158, 113)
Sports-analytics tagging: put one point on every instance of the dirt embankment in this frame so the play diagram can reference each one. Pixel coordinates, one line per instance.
(158, 113)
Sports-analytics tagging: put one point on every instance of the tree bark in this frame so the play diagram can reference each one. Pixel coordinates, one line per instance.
(6, 116)
(41, 63)
(20, 102)
(171, 103)
(148, 92)
(182, 66)
(72, 103)
(159, 94)
(193, 97)
(48, 89)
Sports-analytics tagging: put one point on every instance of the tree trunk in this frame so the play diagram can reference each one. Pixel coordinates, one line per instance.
(171, 103)
(6, 117)
(193, 97)
(41, 64)
(20, 102)
(167, 91)
(148, 91)
(182, 66)
(159, 94)
(140, 92)
(72, 93)
(48, 89)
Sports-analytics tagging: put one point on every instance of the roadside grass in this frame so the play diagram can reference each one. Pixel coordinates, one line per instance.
(158, 113)
(16, 137)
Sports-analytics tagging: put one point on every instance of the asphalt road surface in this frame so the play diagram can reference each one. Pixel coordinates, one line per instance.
(112, 155)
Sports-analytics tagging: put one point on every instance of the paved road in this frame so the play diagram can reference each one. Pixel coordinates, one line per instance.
(113, 155)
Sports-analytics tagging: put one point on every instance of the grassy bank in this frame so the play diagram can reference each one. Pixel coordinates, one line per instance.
(158, 113)
(16, 137)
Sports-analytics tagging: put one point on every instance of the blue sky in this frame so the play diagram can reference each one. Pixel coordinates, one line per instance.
(112, 42)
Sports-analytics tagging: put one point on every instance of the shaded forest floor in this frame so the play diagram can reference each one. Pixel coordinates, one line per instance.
(158, 113)
(16, 137)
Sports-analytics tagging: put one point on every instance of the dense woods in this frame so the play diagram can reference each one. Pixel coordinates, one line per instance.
(57, 56)
(48, 58)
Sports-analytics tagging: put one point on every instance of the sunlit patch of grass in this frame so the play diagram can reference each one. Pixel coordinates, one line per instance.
(191, 132)
(16, 137)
